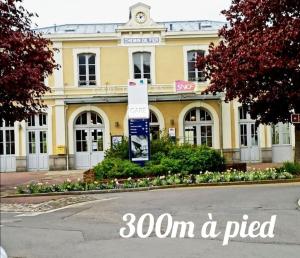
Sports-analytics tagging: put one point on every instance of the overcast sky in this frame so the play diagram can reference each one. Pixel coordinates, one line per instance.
(103, 11)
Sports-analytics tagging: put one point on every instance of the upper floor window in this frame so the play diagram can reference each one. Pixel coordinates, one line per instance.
(194, 74)
(86, 69)
(142, 67)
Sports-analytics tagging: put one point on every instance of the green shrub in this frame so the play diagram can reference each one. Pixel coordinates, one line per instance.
(291, 167)
(198, 158)
(171, 165)
(157, 157)
(162, 145)
(117, 168)
(120, 151)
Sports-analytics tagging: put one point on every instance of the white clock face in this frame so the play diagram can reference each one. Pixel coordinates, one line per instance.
(140, 17)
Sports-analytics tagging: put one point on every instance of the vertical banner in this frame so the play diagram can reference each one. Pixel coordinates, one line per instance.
(138, 121)
(139, 140)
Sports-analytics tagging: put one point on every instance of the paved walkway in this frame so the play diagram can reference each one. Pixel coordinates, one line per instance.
(263, 165)
(12, 179)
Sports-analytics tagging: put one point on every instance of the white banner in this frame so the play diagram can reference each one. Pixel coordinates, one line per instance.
(138, 99)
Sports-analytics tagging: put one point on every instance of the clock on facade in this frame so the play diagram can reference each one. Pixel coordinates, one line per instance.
(140, 17)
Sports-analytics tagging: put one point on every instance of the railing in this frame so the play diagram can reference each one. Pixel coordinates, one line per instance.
(111, 90)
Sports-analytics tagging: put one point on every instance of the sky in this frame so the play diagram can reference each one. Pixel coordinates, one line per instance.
(99, 11)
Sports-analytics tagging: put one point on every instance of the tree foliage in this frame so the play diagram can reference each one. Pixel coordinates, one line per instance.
(257, 60)
(26, 59)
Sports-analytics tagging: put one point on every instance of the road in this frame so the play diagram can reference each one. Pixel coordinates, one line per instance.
(92, 229)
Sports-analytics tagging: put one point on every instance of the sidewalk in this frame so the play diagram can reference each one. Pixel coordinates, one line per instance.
(10, 180)
(262, 165)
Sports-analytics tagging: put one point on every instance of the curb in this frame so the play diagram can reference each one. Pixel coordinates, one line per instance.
(142, 189)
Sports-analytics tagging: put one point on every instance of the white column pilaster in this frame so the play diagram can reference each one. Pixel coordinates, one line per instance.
(58, 74)
(60, 123)
(226, 125)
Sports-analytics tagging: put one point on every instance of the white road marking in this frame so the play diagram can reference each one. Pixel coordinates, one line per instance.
(33, 214)
(299, 202)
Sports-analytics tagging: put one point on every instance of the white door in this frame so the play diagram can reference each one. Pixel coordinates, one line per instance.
(250, 151)
(89, 131)
(7, 147)
(37, 158)
(89, 147)
(96, 143)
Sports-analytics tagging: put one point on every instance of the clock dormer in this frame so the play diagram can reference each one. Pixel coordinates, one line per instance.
(139, 13)
(140, 20)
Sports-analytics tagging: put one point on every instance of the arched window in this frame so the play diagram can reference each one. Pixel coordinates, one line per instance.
(86, 69)
(154, 126)
(194, 74)
(198, 125)
(141, 65)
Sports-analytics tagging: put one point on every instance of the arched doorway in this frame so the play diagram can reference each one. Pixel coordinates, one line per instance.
(89, 140)
(37, 142)
(7, 147)
(154, 126)
(198, 127)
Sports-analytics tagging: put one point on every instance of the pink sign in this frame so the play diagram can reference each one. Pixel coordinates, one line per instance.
(184, 85)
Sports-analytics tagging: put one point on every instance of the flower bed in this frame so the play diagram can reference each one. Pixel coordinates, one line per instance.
(170, 179)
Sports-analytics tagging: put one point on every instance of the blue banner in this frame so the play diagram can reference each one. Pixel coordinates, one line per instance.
(139, 140)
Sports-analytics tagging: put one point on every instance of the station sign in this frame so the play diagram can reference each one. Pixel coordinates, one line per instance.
(141, 41)
(184, 86)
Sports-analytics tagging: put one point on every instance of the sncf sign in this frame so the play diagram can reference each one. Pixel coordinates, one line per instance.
(295, 118)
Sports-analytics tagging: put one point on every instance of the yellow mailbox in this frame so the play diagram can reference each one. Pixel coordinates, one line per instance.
(61, 149)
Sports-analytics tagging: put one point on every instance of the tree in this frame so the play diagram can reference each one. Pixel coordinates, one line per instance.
(25, 61)
(257, 60)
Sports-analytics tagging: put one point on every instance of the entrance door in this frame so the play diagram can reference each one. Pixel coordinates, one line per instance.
(89, 133)
(249, 142)
(250, 150)
(37, 143)
(37, 150)
(7, 147)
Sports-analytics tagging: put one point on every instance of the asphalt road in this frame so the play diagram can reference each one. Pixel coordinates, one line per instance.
(92, 229)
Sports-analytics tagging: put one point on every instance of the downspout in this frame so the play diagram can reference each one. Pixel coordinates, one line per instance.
(67, 137)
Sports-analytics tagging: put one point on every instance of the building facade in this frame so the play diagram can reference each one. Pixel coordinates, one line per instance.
(87, 106)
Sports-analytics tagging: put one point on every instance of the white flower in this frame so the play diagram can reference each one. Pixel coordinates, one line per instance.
(68, 180)
(162, 177)
(129, 178)
(78, 179)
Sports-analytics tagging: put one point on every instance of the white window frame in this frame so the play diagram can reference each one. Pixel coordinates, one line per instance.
(199, 123)
(281, 133)
(96, 52)
(186, 49)
(151, 50)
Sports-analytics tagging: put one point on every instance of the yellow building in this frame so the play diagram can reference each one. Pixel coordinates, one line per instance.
(87, 106)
